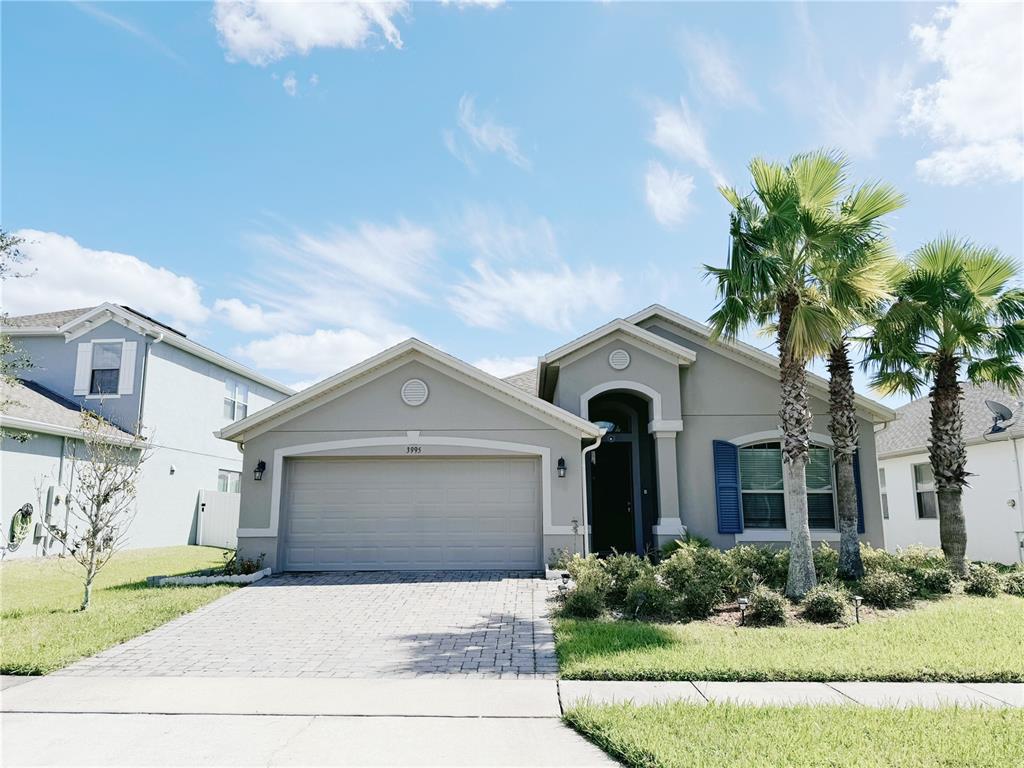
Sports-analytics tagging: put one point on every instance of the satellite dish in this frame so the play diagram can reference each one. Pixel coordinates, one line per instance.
(1000, 414)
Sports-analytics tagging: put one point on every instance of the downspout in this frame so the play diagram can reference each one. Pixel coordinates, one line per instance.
(586, 503)
(142, 384)
(1020, 499)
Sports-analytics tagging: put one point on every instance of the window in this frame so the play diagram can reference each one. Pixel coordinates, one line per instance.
(924, 489)
(885, 496)
(105, 371)
(764, 499)
(229, 481)
(236, 399)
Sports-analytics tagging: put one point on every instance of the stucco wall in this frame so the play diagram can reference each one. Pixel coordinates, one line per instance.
(21, 466)
(375, 410)
(992, 524)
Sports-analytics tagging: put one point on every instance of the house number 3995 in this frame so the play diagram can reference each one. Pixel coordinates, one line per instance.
(414, 449)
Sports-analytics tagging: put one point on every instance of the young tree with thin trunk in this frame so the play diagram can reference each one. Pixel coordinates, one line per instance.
(101, 502)
(959, 310)
(778, 232)
(12, 359)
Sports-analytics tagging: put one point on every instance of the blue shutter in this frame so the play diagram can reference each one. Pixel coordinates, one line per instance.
(860, 493)
(727, 486)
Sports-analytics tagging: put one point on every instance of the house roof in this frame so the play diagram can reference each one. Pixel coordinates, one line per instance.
(754, 357)
(910, 431)
(657, 345)
(501, 390)
(74, 322)
(31, 407)
(526, 381)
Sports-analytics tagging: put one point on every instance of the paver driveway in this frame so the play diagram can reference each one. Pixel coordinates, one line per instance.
(380, 624)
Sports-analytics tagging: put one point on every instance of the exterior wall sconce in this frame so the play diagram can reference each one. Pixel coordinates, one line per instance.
(257, 473)
(561, 467)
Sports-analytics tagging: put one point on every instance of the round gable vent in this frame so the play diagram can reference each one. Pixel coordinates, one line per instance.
(618, 359)
(414, 392)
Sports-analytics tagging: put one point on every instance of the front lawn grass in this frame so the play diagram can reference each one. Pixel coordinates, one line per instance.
(957, 639)
(681, 735)
(41, 628)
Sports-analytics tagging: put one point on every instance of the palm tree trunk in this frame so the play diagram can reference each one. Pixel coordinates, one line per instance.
(845, 433)
(795, 418)
(948, 456)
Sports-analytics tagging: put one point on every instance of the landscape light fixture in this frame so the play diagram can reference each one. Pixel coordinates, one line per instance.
(857, 600)
(565, 579)
(561, 467)
(257, 473)
(743, 603)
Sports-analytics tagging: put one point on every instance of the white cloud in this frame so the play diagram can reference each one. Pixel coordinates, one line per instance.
(485, 134)
(263, 31)
(714, 72)
(668, 194)
(135, 31)
(68, 275)
(505, 366)
(679, 134)
(290, 84)
(549, 299)
(474, 3)
(492, 235)
(248, 318)
(314, 80)
(319, 354)
(974, 111)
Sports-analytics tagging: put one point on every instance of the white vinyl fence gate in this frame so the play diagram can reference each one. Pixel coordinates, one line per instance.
(218, 519)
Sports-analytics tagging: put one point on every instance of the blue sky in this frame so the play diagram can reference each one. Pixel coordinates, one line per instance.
(301, 185)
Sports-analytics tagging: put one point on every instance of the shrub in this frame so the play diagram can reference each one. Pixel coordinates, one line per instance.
(886, 589)
(242, 566)
(935, 581)
(826, 562)
(623, 570)
(559, 558)
(983, 580)
(876, 560)
(1013, 582)
(647, 597)
(767, 606)
(586, 600)
(578, 565)
(698, 578)
(752, 565)
(827, 603)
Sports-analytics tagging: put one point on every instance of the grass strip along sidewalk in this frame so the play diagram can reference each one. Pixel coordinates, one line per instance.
(961, 639)
(41, 628)
(680, 735)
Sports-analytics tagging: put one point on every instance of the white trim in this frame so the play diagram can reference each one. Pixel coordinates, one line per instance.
(650, 342)
(671, 526)
(43, 427)
(665, 426)
(291, 451)
(333, 387)
(107, 311)
(752, 356)
(608, 386)
(776, 434)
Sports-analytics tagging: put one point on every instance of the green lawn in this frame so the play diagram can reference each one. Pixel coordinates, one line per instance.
(680, 735)
(42, 630)
(958, 639)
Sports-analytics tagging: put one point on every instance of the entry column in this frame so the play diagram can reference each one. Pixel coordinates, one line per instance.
(670, 526)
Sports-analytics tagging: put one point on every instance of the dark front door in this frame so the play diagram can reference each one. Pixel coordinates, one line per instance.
(612, 515)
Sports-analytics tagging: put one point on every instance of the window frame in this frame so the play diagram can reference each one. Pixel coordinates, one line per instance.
(90, 394)
(785, 487)
(228, 475)
(919, 491)
(883, 494)
(232, 387)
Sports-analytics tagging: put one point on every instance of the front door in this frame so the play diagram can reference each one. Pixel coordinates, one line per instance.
(612, 520)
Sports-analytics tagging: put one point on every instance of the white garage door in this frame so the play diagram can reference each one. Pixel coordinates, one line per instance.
(412, 514)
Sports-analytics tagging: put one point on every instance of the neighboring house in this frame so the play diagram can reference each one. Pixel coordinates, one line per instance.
(631, 435)
(133, 371)
(993, 502)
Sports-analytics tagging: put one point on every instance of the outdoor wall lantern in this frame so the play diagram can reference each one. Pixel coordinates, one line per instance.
(857, 600)
(561, 467)
(257, 473)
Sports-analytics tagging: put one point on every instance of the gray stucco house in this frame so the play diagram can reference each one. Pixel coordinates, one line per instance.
(623, 439)
(132, 370)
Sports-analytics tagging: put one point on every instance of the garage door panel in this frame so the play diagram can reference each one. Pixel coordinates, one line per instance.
(412, 514)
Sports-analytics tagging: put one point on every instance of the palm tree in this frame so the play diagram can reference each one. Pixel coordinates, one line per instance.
(856, 279)
(778, 232)
(956, 311)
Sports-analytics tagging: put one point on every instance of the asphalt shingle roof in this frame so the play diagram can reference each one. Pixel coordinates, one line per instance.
(910, 430)
(526, 381)
(34, 402)
(45, 319)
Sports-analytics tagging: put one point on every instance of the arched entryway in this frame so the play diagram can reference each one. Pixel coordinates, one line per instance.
(622, 495)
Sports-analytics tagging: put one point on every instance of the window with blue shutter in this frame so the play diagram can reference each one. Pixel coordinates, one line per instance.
(727, 486)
